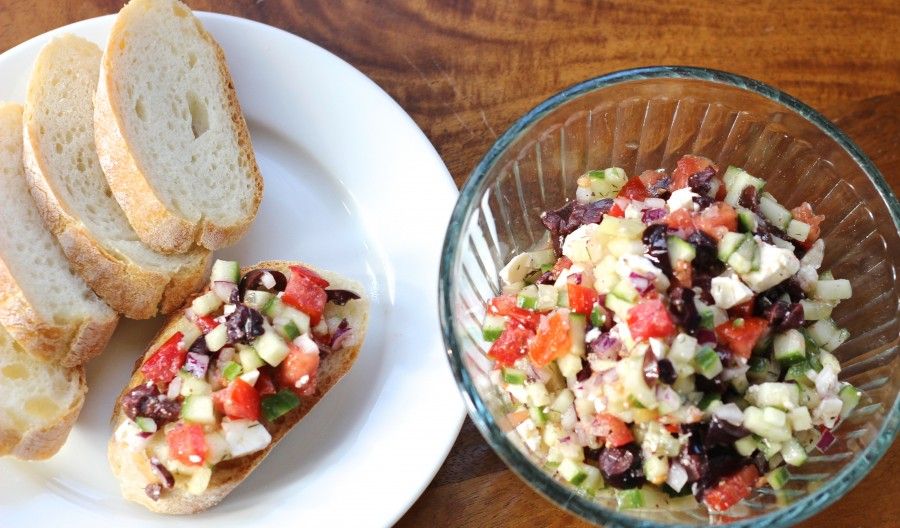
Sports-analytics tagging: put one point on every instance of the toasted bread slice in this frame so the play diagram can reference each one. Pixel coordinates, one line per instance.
(132, 468)
(74, 198)
(44, 305)
(170, 134)
(40, 403)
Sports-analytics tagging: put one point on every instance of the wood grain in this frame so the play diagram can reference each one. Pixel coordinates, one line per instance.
(466, 69)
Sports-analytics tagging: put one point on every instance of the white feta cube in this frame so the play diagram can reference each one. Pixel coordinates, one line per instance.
(775, 265)
(728, 290)
(585, 244)
(682, 199)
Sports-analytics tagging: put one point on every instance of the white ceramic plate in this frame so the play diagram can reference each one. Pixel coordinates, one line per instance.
(354, 186)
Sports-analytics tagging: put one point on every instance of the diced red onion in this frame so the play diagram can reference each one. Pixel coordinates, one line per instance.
(667, 395)
(223, 289)
(641, 283)
(731, 413)
(605, 347)
(706, 337)
(677, 478)
(648, 216)
(610, 376)
(196, 364)
(574, 278)
(144, 434)
(582, 433)
(825, 441)
(734, 372)
(174, 388)
(342, 334)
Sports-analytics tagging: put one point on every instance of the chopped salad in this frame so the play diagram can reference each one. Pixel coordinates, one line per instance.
(673, 340)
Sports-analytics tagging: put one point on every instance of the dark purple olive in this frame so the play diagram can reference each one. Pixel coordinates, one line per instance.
(721, 432)
(721, 462)
(651, 369)
(667, 372)
(146, 400)
(656, 239)
(244, 324)
(585, 371)
(749, 199)
(153, 491)
(165, 476)
(683, 309)
(252, 280)
(703, 201)
(340, 297)
(660, 188)
(199, 346)
(759, 460)
(701, 182)
(622, 467)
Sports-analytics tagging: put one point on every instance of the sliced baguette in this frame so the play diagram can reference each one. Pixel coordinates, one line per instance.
(44, 305)
(74, 198)
(170, 134)
(40, 403)
(132, 468)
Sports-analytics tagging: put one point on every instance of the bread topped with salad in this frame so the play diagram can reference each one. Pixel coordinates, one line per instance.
(672, 342)
(227, 377)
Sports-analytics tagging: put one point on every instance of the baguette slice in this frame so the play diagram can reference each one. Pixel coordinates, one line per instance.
(44, 305)
(170, 134)
(40, 402)
(74, 198)
(132, 468)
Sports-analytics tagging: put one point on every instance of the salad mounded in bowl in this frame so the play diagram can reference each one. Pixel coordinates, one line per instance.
(673, 339)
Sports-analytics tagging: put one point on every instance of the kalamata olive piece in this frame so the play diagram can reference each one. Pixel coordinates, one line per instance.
(340, 297)
(253, 280)
(165, 476)
(724, 433)
(666, 371)
(244, 324)
(622, 467)
(153, 491)
(146, 400)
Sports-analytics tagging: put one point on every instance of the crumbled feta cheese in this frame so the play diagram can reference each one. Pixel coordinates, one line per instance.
(658, 346)
(776, 264)
(827, 411)
(633, 211)
(728, 290)
(592, 334)
(563, 277)
(628, 264)
(245, 436)
(584, 244)
(806, 277)
(130, 434)
(682, 199)
(814, 255)
(516, 269)
(229, 309)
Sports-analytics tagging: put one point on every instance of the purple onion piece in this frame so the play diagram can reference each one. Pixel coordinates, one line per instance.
(341, 333)
(648, 216)
(706, 337)
(826, 441)
(340, 297)
(153, 491)
(224, 290)
(605, 346)
(196, 364)
(641, 283)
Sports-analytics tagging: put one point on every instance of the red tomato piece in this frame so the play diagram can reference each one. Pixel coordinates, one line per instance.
(649, 318)
(206, 323)
(562, 263)
(680, 219)
(613, 430)
(634, 189)
(239, 400)
(552, 340)
(616, 211)
(804, 213)
(511, 345)
(506, 305)
(306, 293)
(732, 489)
(296, 365)
(673, 428)
(651, 177)
(686, 167)
(164, 364)
(264, 384)
(742, 337)
(581, 298)
(310, 274)
(187, 444)
(716, 220)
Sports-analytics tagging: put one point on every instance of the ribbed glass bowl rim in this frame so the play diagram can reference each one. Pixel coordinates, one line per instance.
(536, 477)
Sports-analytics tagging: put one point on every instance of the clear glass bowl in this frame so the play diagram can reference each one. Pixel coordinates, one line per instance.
(646, 119)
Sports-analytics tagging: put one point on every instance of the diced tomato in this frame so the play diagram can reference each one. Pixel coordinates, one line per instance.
(613, 430)
(562, 263)
(187, 444)
(206, 323)
(680, 219)
(650, 178)
(264, 384)
(634, 189)
(686, 167)
(673, 428)
(511, 345)
(716, 220)
(238, 400)
(683, 273)
(741, 310)
(649, 318)
(732, 489)
(742, 336)
(581, 298)
(552, 340)
(804, 213)
(616, 211)
(506, 305)
(305, 292)
(295, 366)
(164, 364)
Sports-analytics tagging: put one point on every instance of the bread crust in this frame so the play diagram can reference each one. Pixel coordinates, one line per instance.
(44, 442)
(163, 230)
(134, 291)
(132, 469)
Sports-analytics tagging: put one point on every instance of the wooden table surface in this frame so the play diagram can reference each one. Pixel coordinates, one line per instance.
(466, 69)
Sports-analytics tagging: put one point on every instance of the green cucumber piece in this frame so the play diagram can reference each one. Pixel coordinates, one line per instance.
(198, 408)
(514, 376)
(765, 423)
(562, 298)
(538, 395)
(797, 373)
(789, 347)
(279, 404)
(707, 362)
(850, 395)
(231, 370)
(730, 174)
(191, 384)
(832, 289)
(708, 401)
(145, 424)
(290, 331)
(493, 326)
(598, 316)
(778, 477)
(300, 319)
(527, 297)
(248, 357)
(742, 259)
(547, 297)
(569, 365)
(625, 290)
(563, 401)
(797, 230)
(793, 453)
(740, 181)
(729, 244)
(782, 396)
(206, 304)
(630, 499)
(257, 299)
(577, 329)
(606, 183)
(271, 348)
(538, 416)
(273, 307)
(747, 220)
(572, 471)
(745, 446)
(768, 448)
(774, 212)
(740, 383)
(618, 306)
(680, 250)
(216, 338)
(762, 369)
(814, 310)
(225, 270)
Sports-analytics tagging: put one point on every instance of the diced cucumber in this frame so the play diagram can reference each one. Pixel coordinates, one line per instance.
(514, 376)
(625, 290)
(577, 329)
(621, 227)
(680, 250)
(850, 395)
(707, 362)
(206, 304)
(300, 319)
(745, 446)
(527, 297)
(827, 335)
(493, 326)
(780, 395)
(537, 394)
(198, 408)
(729, 243)
(630, 499)
(562, 298)
(769, 448)
(216, 338)
(740, 383)
(593, 481)
(271, 348)
(683, 349)
(742, 259)
(793, 453)
(631, 374)
(572, 471)
(145, 424)
(547, 296)
(618, 306)
(656, 468)
(709, 402)
(778, 477)
(759, 421)
(826, 275)
(774, 212)
(740, 181)
(790, 347)
(815, 310)
(782, 243)
(279, 404)
(257, 299)
(756, 263)
(199, 480)
(563, 401)
(797, 373)
(538, 416)
(542, 258)
(762, 369)
(747, 220)
(273, 308)
(289, 331)
(248, 357)
(231, 370)
(569, 365)
(191, 384)
(797, 230)
(800, 418)
(730, 174)
(225, 270)
(606, 183)
(598, 316)
(832, 290)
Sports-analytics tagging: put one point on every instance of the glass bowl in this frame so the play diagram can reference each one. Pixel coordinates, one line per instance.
(646, 119)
